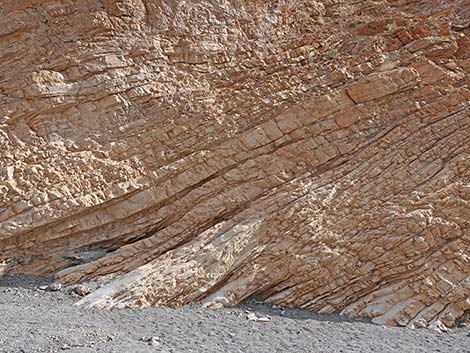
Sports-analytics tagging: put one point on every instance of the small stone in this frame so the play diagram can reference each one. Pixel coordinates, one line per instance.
(55, 287)
(152, 341)
(217, 303)
(217, 306)
(81, 290)
(251, 317)
(43, 287)
(263, 319)
(254, 317)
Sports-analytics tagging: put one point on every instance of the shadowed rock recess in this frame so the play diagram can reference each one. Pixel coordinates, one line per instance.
(313, 153)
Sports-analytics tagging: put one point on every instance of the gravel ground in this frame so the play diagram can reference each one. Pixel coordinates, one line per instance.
(34, 320)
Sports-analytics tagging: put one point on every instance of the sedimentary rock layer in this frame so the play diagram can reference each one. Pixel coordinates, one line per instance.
(312, 153)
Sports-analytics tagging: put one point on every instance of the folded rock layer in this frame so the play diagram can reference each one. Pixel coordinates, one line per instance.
(312, 153)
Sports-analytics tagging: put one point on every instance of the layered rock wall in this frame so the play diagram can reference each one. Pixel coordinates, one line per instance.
(313, 153)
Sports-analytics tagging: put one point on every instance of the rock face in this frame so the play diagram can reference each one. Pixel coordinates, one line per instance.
(313, 153)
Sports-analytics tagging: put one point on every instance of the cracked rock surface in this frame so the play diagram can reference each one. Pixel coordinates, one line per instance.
(315, 154)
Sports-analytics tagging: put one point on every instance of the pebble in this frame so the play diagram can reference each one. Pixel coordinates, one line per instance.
(55, 287)
(152, 341)
(263, 319)
(254, 317)
(81, 290)
(251, 317)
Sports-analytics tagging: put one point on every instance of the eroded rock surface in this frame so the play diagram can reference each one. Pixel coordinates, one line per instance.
(314, 153)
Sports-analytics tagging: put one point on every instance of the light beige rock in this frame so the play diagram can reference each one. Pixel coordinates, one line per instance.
(315, 154)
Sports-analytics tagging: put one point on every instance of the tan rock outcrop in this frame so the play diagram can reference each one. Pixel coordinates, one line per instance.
(313, 153)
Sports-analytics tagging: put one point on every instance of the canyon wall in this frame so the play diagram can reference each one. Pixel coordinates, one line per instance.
(311, 153)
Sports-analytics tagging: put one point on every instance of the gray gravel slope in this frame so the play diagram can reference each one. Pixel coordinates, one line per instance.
(32, 320)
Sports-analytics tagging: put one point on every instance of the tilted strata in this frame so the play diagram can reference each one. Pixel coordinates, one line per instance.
(313, 153)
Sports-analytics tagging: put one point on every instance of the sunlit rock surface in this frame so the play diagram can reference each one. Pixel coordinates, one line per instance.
(313, 153)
